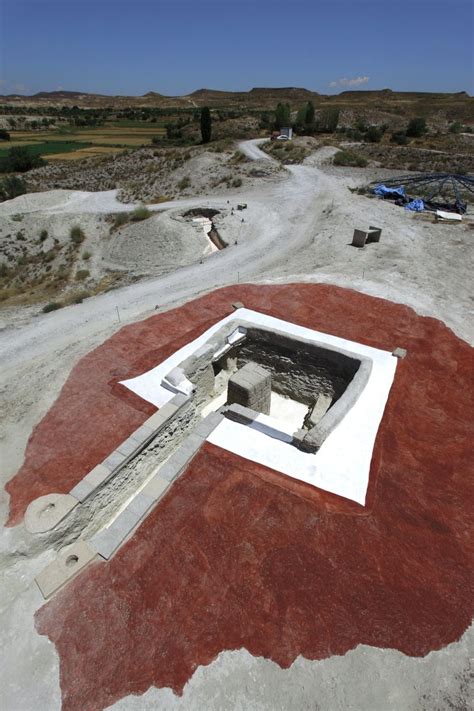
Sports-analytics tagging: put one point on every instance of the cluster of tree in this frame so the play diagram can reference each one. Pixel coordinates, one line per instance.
(4, 135)
(415, 129)
(363, 131)
(19, 160)
(306, 121)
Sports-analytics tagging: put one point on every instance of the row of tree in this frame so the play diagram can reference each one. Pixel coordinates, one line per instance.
(306, 120)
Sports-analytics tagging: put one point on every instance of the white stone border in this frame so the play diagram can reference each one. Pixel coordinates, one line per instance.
(342, 464)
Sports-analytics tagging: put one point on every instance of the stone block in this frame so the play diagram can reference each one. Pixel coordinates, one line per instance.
(374, 234)
(141, 504)
(169, 409)
(125, 522)
(359, 238)
(68, 564)
(180, 399)
(114, 460)
(169, 471)
(156, 487)
(97, 476)
(319, 409)
(156, 421)
(143, 434)
(44, 513)
(251, 386)
(105, 543)
(399, 353)
(128, 446)
(206, 426)
(83, 489)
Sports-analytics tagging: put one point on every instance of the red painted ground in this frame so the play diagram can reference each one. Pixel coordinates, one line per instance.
(237, 556)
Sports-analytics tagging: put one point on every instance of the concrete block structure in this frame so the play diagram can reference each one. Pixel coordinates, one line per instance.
(363, 237)
(359, 238)
(251, 386)
(374, 234)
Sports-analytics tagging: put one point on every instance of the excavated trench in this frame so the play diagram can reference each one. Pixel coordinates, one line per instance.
(300, 372)
(209, 213)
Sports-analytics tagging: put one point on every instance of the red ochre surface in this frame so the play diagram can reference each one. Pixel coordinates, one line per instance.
(236, 555)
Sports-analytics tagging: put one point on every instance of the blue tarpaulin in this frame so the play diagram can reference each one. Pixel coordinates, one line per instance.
(383, 191)
(415, 205)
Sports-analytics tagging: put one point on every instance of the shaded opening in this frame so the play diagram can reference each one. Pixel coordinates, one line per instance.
(71, 560)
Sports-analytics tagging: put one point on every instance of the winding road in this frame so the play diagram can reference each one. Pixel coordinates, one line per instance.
(280, 219)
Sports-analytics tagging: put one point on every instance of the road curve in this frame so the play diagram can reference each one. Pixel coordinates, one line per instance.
(282, 218)
(251, 150)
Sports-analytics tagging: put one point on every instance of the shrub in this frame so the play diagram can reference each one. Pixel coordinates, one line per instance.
(4, 135)
(349, 158)
(19, 160)
(86, 255)
(184, 183)
(140, 213)
(399, 137)
(43, 235)
(373, 134)
(77, 235)
(79, 297)
(52, 306)
(456, 127)
(120, 219)
(3, 270)
(417, 127)
(11, 187)
(82, 274)
(237, 182)
(238, 157)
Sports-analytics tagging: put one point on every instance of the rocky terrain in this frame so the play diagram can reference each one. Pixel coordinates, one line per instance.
(152, 175)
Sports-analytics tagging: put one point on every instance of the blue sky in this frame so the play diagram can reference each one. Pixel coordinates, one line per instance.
(177, 46)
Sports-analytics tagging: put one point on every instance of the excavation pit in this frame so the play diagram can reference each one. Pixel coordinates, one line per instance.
(322, 405)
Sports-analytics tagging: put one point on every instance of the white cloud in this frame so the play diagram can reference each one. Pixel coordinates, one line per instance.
(345, 82)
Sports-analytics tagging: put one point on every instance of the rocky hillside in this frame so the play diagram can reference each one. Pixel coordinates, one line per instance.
(459, 106)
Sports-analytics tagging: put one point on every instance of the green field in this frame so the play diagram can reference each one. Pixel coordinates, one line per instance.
(49, 147)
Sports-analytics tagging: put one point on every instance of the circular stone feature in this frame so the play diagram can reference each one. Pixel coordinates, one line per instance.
(44, 513)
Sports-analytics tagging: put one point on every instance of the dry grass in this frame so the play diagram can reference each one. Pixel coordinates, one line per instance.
(86, 153)
(159, 199)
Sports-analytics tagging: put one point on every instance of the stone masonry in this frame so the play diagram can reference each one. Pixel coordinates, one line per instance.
(251, 386)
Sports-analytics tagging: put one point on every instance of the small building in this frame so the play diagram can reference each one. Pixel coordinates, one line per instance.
(287, 131)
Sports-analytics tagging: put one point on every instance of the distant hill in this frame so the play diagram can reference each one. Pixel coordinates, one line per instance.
(454, 105)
